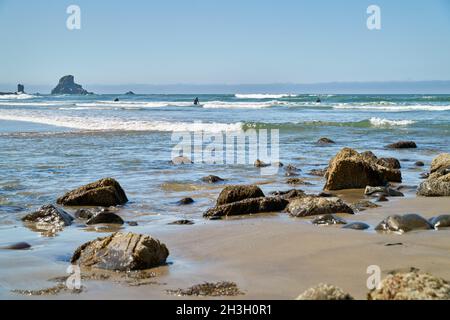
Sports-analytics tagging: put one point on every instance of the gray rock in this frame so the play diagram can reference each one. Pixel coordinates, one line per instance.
(327, 220)
(212, 179)
(17, 246)
(248, 206)
(312, 206)
(363, 205)
(67, 85)
(419, 164)
(356, 226)
(386, 191)
(442, 221)
(298, 181)
(49, 215)
(122, 252)
(318, 172)
(185, 201)
(237, 193)
(104, 193)
(182, 222)
(324, 141)
(405, 223)
(391, 163)
(402, 145)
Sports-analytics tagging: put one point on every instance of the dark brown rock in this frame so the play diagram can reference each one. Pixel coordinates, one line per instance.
(106, 217)
(248, 206)
(328, 220)
(356, 226)
(349, 170)
(290, 194)
(104, 193)
(122, 252)
(402, 145)
(237, 193)
(212, 179)
(186, 201)
(391, 163)
(324, 141)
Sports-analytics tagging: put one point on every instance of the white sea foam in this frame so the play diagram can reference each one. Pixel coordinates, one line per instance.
(393, 107)
(135, 104)
(379, 122)
(35, 104)
(115, 124)
(20, 96)
(238, 105)
(263, 96)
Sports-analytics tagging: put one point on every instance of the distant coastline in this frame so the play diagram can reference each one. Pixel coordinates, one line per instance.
(390, 87)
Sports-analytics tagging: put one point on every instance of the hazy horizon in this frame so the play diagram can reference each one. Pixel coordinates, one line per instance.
(369, 87)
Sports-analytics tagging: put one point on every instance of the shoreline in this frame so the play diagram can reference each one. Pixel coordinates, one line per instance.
(268, 256)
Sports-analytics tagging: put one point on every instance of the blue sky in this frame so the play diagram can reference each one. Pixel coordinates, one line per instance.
(227, 41)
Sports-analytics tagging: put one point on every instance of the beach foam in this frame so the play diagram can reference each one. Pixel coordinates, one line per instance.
(379, 122)
(238, 105)
(114, 124)
(264, 96)
(17, 96)
(387, 106)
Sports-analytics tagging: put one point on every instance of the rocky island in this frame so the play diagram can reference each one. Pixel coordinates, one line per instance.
(67, 85)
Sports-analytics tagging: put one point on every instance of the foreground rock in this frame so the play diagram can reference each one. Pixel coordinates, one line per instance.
(402, 145)
(351, 170)
(405, 223)
(237, 193)
(324, 292)
(247, 206)
(49, 215)
(122, 252)
(104, 193)
(438, 182)
(311, 206)
(67, 85)
(411, 286)
(219, 289)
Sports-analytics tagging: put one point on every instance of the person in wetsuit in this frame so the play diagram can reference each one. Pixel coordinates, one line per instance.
(196, 101)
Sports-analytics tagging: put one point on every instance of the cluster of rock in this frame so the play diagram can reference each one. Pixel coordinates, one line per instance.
(119, 251)
(412, 285)
(438, 181)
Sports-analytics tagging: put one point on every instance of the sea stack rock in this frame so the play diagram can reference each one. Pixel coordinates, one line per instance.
(67, 85)
(20, 88)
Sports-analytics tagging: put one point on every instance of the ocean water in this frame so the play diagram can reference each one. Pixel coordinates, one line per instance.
(51, 144)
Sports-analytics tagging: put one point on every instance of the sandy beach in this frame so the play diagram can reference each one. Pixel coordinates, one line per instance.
(269, 256)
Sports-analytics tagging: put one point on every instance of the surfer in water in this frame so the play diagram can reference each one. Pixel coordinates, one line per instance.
(196, 101)
(318, 100)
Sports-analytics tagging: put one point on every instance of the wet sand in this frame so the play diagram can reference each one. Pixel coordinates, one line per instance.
(268, 256)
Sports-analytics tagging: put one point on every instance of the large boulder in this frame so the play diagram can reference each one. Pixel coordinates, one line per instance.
(411, 286)
(312, 206)
(247, 206)
(237, 193)
(49, 215)
(104, 193)
(438, 182)
(405, 223)
(352, 170)
(67, 85)
(122, 252)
